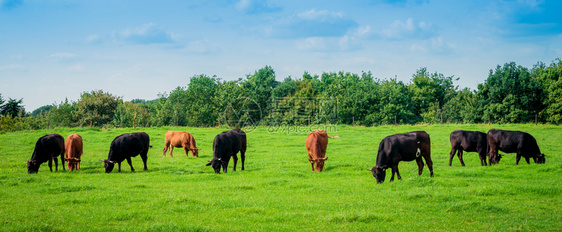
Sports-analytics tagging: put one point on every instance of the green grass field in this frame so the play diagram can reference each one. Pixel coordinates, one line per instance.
(277, 191)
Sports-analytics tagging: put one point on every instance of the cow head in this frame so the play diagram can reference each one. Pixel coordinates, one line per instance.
(108, 165)
(379, 173)
(216, 164)
(319, 163)
(540, 159)
(195, 152)
(32, 166)
(495, 159)
(72, 163)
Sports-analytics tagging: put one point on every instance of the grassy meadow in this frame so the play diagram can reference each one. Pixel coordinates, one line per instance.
(278, 191)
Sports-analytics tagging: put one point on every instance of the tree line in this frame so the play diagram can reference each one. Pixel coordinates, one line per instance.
(511, 94)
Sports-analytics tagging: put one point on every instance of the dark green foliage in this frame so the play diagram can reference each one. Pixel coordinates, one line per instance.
(12, 108)
(96, 108)
(510, 94)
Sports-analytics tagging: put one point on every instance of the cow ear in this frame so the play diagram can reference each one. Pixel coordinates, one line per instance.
(209, 164)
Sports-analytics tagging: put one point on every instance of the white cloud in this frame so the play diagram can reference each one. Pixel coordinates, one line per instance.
(312, 23)
(408, 29)
(147, 34)
(64, 57)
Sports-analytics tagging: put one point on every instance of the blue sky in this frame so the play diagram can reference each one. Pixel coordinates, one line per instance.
(56, 49)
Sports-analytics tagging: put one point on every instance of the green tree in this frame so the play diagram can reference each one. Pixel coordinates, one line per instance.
(130, 114)
(200, 107)
(12, 108)
(461, 108)
(97, 108)
(259, 87)
(63, 114)
(430, 92)
(42, 110)
(551, 78)
(395, 100)
(510, 95)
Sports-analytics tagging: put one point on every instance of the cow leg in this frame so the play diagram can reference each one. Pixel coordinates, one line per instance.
(419, 161)
(57, 164)
(393, 172)
(517, 159)
(527, 159)
(243, 157)
(165, 150)
(235, 160)
(397, 172)
(482, 157)
(119, 166)
(460, 157)
(311, 161)
(429, 164)
(452, 154)
(62, 160)
(130, 164)
(171, 150)
(144, 157)
(51, 165)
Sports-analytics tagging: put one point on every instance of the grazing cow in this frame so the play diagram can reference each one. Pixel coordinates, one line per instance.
(126, 146)
(316, 144)
(402, 147)
(469, 141)
(180, 139)
(47, 148)
(73, 151)
(227, 144)
(518, 142)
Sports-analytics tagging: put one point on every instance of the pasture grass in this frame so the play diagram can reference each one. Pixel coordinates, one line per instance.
(278, 191)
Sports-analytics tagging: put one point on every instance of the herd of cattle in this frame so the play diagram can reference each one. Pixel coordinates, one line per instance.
(392, 149)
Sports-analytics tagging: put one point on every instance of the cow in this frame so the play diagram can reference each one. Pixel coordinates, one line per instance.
(316, 144)
(402, 147)
(227, 144)
(518, 142)
(180, 139)
(47, 148)
(126, 146)
(469, 141)
(73, 151)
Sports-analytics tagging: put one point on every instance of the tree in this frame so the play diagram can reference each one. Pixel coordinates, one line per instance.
(510, 95)
(41, 110)
(63, 114)
(200, 108)
(130, 114)
(259, 88)
(395, 100)
(97, 108)
(430, 92)
(12, 108)
(551, 78)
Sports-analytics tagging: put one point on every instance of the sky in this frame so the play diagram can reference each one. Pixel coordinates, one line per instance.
(52, 50)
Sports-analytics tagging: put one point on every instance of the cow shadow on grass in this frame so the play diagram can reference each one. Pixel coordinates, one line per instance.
(335, 166)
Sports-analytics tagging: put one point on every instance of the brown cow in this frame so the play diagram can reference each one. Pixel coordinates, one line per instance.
(73, 151)
(180, 139)
(316, 143)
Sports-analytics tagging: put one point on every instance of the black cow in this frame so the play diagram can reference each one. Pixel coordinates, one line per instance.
(469, 141)
(47, 148)
(126, 146)
(402, 147)
(227, 144)
(518, 142)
